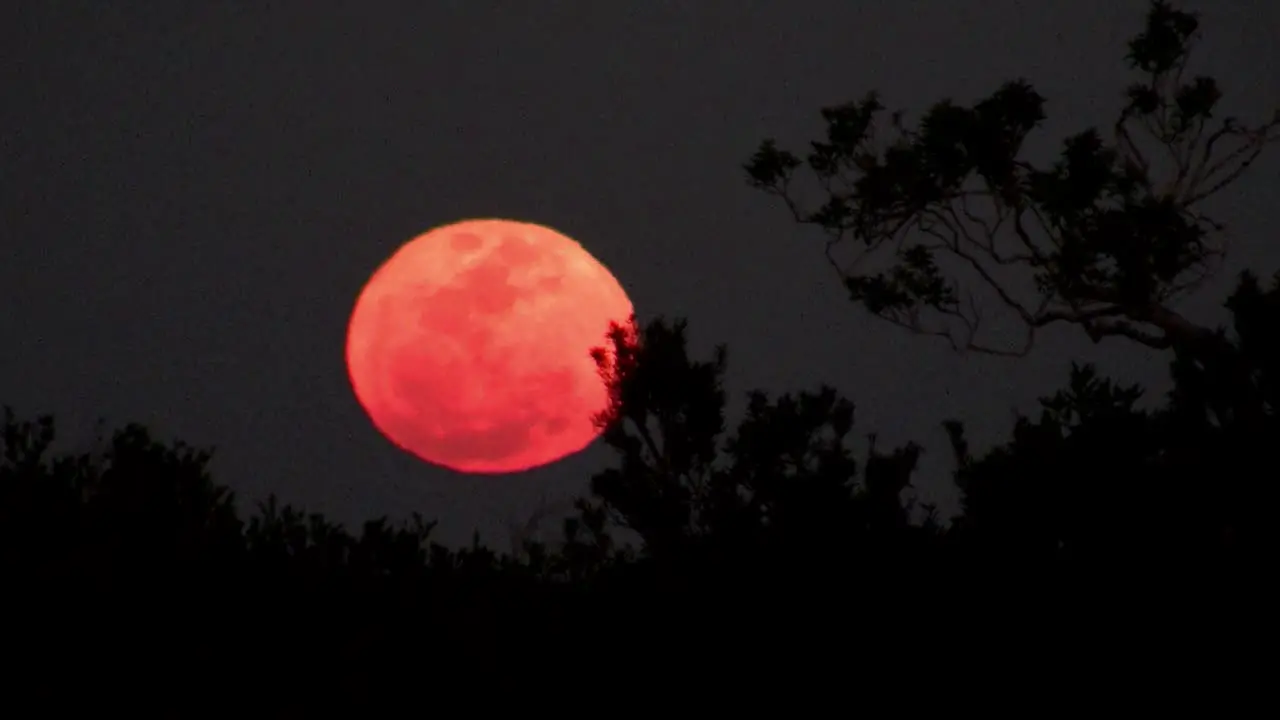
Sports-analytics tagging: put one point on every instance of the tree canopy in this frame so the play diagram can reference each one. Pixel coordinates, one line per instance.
(781, 533)
(790, 518)
(1107, 237)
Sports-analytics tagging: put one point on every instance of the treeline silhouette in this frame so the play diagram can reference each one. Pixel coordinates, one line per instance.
(131, 567)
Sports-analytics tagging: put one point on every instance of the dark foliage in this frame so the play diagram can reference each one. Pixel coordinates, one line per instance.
(786, 525)
(1106, 238)
(133, 578)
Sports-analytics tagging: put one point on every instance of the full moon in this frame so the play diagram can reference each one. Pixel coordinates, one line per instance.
(470, 347)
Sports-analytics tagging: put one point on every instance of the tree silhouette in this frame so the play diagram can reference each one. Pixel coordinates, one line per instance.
(1108, 237)
(783, 489)
(136, 574)
(137, 508)
(777, 520)
(1096, 481)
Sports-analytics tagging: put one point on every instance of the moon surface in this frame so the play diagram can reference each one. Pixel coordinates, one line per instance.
(470, 346)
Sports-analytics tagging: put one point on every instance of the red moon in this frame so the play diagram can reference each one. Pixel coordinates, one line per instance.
(470, 346)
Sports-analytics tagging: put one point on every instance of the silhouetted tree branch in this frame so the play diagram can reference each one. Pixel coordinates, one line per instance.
(1107, 238)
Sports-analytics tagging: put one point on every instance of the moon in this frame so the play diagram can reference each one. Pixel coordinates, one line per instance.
(470, 347)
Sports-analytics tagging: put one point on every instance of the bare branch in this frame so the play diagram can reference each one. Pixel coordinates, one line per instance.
(1125, 329)
(962, 345)
(1000, 290)
(1256, 141)
(1129, 148)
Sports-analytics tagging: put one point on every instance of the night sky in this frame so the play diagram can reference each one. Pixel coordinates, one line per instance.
(192, 195)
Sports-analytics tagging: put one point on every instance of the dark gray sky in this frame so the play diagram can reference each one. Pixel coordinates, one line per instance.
(192, 194)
